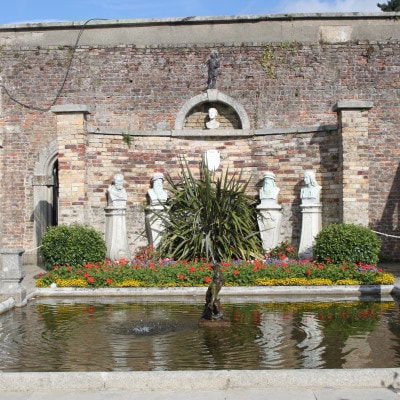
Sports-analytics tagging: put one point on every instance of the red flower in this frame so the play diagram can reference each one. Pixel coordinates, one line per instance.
(181, 277)
(90, 279)
(285, 264)
(123, 261)
(86, 275)
(192, 269)
(90, 309)
(308, 272)
(108, 281)
(236, 272)
(207, 279)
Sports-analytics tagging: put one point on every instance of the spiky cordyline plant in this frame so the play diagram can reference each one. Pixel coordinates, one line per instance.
(210, 218)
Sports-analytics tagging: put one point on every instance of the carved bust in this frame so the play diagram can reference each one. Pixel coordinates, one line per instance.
(269, 190)
(157, 194)
(310, 193)
(117, 195)
(212, 115)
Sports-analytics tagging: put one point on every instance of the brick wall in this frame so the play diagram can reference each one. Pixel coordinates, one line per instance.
(132, 88)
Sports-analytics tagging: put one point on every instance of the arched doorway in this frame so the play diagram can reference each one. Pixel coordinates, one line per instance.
(45, 194)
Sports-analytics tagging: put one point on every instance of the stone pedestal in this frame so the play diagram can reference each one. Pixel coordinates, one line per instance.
(310, 227)
(269, 223)
(116, 237)
(11, 275)
(154, 224)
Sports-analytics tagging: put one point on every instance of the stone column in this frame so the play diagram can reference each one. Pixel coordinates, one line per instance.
(116, 236)
(311, 210)
(269, 223)
(269, 215)
(11, 275)
(72, 141)
(154, 223)
(354, 157)
(310, 227)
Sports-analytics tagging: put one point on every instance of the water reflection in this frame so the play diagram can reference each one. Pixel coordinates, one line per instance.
(96, 337)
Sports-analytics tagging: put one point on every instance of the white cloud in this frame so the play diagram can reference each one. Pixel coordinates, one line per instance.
(313, 6)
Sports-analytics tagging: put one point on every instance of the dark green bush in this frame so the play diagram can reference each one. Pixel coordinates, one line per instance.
(72, 245)
(210, 215)
(338, 243)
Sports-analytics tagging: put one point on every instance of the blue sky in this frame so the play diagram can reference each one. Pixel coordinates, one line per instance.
(18, 11)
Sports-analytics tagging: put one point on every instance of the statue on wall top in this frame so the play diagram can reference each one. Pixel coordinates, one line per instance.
(213, 65)
(269, 190)
(117, 195)
(311, 191)
(157, 194)
(212, 115)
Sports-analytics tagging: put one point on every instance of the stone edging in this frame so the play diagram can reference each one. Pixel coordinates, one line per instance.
(7, 304)
(196, 20)
(146, 381)
(230, 294)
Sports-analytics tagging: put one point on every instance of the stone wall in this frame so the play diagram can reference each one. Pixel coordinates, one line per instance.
(128, 87)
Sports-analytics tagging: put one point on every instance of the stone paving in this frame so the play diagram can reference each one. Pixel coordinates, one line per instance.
(273, 394)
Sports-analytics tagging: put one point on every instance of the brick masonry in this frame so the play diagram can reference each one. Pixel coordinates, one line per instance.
(143, 88)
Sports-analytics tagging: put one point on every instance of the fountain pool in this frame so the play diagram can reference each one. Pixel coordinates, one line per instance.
(165, 337)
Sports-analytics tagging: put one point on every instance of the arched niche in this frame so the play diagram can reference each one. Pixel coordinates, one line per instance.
(45, 191)
(230, 110)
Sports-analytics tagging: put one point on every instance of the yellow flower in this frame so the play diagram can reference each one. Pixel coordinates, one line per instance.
(347, 282)
(73, 282)
(384, 279)
(40, 283)
(293, 282)
(129, 283)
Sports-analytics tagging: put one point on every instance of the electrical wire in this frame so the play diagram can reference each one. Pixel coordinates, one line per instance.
(61, 88)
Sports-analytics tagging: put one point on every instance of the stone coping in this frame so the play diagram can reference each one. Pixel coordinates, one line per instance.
(196, 20)
(7, 305)
(235, 294)
(354, 105)
(202, 133)
(70, 108)
(146, 381)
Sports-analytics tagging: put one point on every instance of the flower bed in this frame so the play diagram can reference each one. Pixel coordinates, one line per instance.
(170, 273)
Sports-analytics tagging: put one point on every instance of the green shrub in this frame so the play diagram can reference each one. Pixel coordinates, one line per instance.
(347, 242)
(210, 216)
(72, 245)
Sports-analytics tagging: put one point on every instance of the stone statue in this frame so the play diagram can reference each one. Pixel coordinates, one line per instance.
(212, 159)
(213, 65)
(157, 194)
(212, 115)
(116, 234)
(311, 214)
(117, 195)
(269, 189)
(311, 191)
(269, 214)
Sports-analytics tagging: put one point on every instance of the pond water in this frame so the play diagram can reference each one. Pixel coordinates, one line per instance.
(149, 336)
